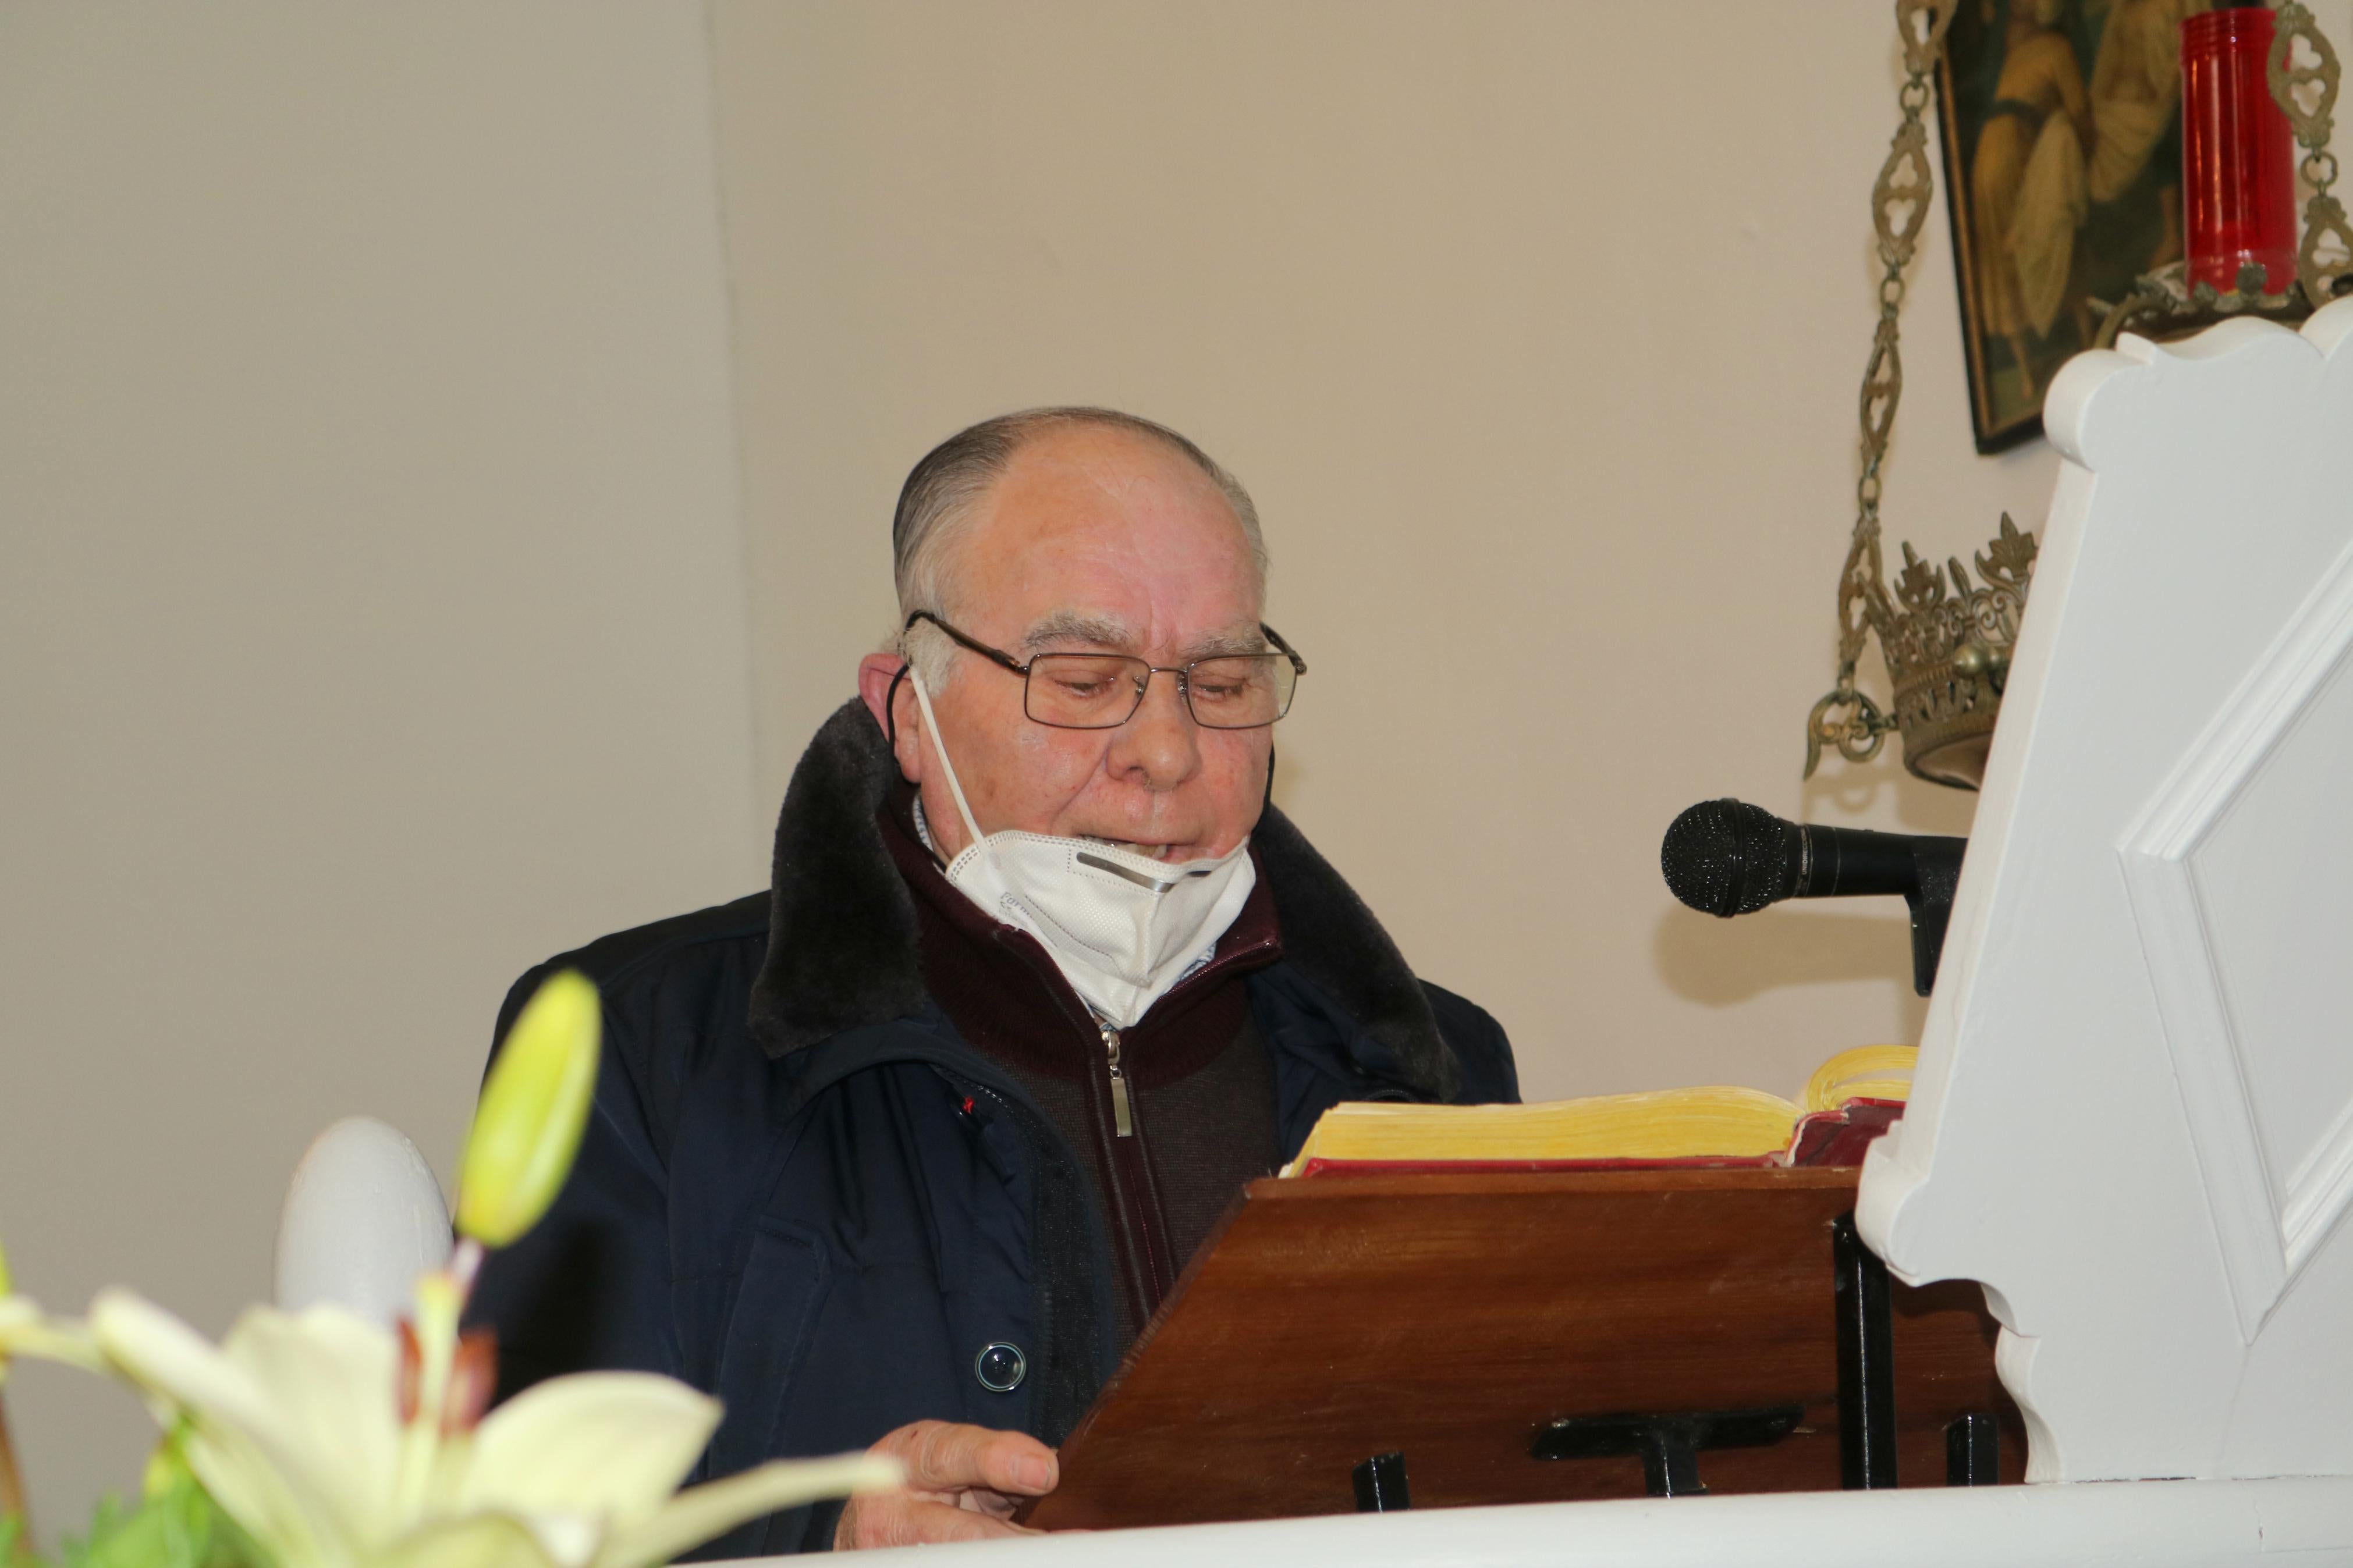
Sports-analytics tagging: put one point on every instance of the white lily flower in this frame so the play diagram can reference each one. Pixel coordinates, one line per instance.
(337, 1444)
(295, 1431)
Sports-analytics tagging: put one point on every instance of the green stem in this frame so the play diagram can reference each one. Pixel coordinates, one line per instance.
(12, 1493)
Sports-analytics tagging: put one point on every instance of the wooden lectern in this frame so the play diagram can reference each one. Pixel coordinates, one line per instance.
(1469, 1322)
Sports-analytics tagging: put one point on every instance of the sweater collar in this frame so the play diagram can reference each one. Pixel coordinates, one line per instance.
(1008, 998)
(843, 934)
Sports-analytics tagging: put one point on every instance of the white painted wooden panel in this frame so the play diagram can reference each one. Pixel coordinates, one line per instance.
(2134, 1116)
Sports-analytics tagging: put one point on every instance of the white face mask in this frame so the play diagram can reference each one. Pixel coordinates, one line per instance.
(1123, 928)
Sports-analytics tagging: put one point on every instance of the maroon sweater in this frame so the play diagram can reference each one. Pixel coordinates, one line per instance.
(1199, 1079)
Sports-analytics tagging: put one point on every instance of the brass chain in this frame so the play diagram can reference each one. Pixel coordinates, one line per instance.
(2323, 215)
(1900, 199)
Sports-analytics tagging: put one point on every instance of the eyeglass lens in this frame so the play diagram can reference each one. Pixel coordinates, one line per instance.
(1103, 691)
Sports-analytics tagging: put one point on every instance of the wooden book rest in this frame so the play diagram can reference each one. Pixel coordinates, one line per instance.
(1454, 1318)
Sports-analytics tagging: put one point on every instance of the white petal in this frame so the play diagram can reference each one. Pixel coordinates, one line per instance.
(569, 1540)
(477, 1540)
(250, 1490)
(609, 1445)
(243, 1450)
(334, 1379)
(25, 1329)
(694, 1517)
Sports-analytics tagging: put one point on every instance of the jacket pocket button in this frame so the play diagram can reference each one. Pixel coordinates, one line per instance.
(1000, 1367)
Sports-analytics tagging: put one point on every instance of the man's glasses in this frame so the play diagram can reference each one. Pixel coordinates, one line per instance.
(1103, 691)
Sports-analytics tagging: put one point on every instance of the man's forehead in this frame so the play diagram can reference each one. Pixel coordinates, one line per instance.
(1071, 628)
(1110, 539)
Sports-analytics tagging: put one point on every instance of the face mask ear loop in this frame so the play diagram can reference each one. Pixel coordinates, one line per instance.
(891, 707)
(939, 749)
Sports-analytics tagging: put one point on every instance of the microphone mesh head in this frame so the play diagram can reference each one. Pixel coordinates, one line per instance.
(1728, 858)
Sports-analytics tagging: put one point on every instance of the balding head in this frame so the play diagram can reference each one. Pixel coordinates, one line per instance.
(1075, 531)
(944, 493)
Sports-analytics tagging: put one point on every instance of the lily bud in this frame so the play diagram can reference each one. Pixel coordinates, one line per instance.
(534, 1108)
(5, 1288)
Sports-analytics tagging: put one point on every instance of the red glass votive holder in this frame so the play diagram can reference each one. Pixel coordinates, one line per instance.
(2238, 155)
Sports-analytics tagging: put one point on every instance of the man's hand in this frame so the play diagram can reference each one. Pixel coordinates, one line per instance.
(963, 1484)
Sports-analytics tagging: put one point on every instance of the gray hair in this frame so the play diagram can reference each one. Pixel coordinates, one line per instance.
(943, 490)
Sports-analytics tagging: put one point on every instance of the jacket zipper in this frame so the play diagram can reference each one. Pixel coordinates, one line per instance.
(1139, 1253)
(1123, 1118)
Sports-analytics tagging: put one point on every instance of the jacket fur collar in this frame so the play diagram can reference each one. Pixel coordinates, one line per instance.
(842, 930)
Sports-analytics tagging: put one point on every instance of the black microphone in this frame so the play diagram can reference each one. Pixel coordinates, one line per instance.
(1727, 858)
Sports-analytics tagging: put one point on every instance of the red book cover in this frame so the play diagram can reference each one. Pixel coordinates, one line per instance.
(1839, 1137)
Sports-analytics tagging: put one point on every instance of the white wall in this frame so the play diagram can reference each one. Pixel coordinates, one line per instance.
(371, 596)
(1535, 329)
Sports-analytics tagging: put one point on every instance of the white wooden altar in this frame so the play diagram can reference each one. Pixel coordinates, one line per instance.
(2134, 1115)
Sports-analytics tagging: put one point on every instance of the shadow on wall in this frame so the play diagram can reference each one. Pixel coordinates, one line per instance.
(1719, 962)
(1841, 792)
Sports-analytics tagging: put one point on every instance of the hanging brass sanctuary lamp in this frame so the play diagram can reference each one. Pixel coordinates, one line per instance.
(1947, 640)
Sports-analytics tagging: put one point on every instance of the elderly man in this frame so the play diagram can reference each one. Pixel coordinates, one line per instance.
(906, 1150)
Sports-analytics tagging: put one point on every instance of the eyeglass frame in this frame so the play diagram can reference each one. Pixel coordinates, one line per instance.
(1183, 672)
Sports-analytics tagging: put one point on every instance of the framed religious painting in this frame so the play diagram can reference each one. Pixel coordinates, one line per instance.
(2063, 170)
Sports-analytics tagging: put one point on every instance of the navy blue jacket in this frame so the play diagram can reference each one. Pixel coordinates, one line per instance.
(802, 1192)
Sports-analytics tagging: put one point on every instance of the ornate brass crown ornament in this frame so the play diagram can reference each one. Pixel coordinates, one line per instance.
(1946, 640)
(1948, 649)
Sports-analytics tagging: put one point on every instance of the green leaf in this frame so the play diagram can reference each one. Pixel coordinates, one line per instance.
(178, 1527)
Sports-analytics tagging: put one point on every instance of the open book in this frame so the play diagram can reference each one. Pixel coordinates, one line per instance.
(1850, 1100)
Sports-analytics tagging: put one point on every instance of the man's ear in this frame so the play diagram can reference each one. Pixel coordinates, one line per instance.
(880, 687)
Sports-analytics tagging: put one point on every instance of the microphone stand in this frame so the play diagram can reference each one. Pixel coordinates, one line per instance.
(1938, 863)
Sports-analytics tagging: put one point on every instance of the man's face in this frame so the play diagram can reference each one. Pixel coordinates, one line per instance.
(1100, 541)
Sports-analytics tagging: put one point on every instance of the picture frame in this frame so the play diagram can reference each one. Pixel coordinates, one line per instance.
(2061, 125)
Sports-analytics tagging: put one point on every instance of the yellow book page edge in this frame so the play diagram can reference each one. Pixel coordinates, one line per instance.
(1715, 1119)
(1866, 1072)
(1710, 1120)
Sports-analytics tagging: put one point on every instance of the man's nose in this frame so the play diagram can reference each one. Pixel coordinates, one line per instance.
(1159, 742)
